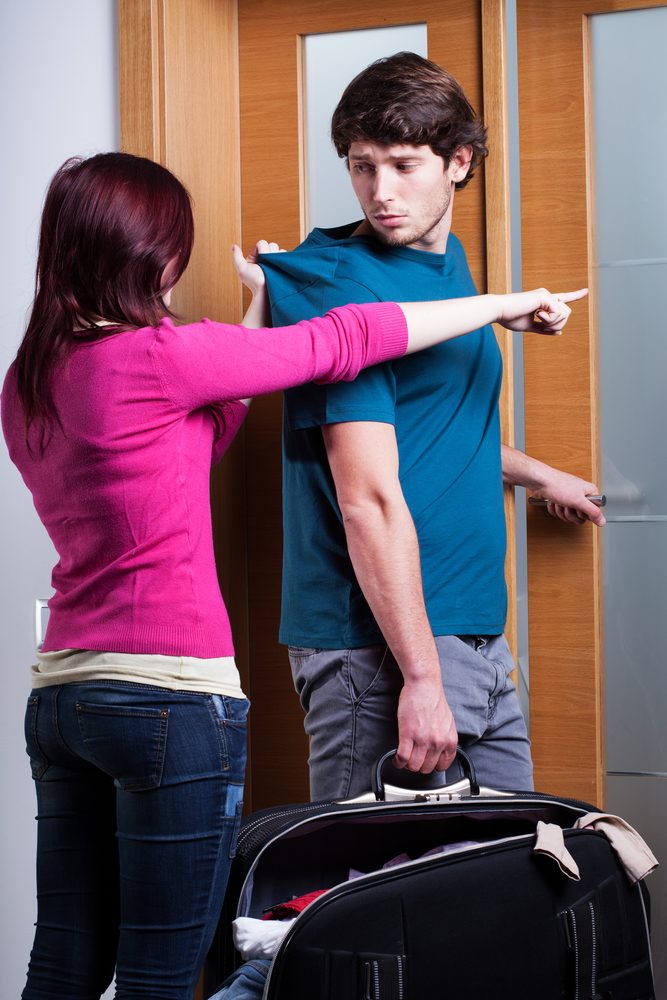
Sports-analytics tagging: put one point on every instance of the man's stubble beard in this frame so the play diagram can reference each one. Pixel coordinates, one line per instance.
(392, 239)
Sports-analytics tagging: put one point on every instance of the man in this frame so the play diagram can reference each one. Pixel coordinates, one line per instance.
(394, 598)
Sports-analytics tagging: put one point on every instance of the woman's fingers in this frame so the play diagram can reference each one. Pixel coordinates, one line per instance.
(238, 257)
(571, 296)
(554, 316)
(267, 246)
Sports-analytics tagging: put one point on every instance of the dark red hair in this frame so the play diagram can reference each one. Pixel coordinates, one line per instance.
(116, 234)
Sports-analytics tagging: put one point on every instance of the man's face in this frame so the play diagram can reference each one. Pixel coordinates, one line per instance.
(405, 192)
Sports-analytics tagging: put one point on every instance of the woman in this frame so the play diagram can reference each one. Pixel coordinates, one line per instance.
(136, 722)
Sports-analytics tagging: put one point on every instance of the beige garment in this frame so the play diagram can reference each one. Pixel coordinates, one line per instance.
(218, 675)
(550, 841)
(632, 851)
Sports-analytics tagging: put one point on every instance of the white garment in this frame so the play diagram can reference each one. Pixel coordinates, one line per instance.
(255, 938)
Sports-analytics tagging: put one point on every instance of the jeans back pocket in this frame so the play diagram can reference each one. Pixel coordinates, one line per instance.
(127, 742)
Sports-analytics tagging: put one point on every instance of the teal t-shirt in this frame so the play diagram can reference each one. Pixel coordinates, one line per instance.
(443, 403)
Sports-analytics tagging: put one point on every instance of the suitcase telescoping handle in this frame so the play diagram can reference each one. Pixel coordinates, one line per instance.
(421, 782)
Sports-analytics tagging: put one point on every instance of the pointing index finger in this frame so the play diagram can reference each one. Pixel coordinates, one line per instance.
(572, 296)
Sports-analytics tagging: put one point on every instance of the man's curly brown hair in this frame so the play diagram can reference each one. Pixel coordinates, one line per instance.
(405, 99)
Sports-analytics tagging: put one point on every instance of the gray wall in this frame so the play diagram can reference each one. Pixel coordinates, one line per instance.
(59, 87)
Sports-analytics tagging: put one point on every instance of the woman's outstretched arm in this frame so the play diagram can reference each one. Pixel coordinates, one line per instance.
(538, 311)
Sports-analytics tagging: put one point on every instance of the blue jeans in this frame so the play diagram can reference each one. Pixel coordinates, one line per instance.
(350, 697)
(247, 983)
(139, 797)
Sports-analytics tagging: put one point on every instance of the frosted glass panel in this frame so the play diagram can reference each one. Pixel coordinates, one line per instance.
(630, 91)
(330, 61)
(635, 563)
(633, 386)
(629, 76)
(643, 802)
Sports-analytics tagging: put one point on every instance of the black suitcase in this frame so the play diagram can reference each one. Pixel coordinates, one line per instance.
(493, 921)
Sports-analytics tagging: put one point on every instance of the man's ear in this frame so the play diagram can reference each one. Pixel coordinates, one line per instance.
(460, 163)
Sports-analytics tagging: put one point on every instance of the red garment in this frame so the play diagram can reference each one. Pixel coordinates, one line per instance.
(292, 907)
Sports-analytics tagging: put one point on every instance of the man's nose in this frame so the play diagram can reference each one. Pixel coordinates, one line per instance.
(383, 188)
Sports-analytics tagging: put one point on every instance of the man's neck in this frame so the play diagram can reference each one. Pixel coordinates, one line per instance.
(438, 243)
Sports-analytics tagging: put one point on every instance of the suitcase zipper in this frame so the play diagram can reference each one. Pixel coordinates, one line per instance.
(372, 985)
(400, 977)
(248, 831)
(376, 981)
(575, 940)
(582, 956)
(594, 957)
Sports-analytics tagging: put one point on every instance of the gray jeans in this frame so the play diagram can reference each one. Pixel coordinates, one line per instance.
(350, 698)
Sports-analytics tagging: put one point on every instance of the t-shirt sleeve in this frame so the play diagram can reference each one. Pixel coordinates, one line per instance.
(372, 397)
(372, 394)
(206, 363)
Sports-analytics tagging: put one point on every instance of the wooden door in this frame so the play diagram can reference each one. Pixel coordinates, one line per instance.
(561, 398)
(467, 39)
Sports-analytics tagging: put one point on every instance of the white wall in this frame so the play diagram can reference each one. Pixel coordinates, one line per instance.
(58, 98)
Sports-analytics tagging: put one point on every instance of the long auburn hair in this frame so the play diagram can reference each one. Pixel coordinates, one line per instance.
(116, 234)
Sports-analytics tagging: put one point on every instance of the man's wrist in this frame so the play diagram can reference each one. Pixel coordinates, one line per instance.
(422, 672)
(528, 472)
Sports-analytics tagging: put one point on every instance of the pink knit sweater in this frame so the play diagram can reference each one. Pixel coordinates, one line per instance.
(123, 488)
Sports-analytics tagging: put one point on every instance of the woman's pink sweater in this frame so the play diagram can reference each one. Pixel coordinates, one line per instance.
(123, 484)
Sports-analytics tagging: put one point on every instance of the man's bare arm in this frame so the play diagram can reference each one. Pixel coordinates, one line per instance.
(382, 543)
(566, 494)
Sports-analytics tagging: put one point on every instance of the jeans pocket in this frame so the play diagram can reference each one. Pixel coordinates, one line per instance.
(498, 654)
(367, 672)
(231, 717)
(128, 742)
(38, 760)
(303, 650)
(231, 714)
(238, 813)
